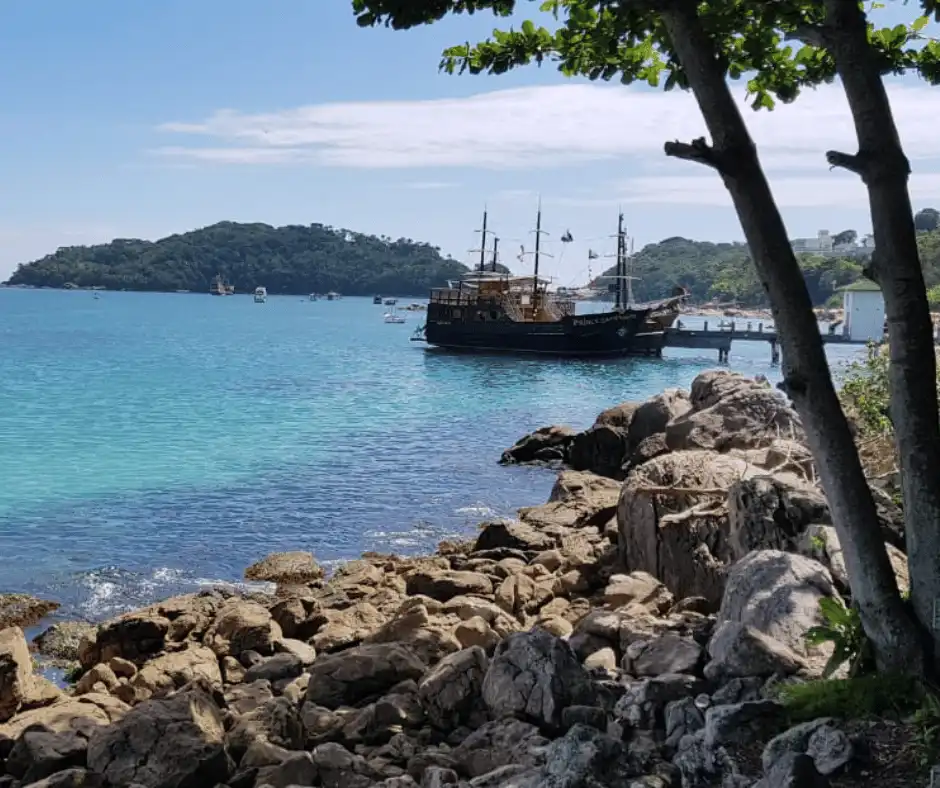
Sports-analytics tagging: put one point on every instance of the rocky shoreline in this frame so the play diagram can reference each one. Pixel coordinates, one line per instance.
(635, 631)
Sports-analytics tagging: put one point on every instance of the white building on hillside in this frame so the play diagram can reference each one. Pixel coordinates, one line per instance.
(824, 244)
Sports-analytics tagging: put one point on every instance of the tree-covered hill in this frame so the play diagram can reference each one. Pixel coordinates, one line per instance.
(299, 259)
(293, 259)
(724, 271)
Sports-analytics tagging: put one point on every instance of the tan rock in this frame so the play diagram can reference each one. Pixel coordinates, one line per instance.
(476, 632)
(556, 625)
(16, 671)
(638, 588)
(602, 659)
(344, 628)
(171, 671)
(79, 715)
(291, 567)
(99, 674)
(242, 626)
(518, 595)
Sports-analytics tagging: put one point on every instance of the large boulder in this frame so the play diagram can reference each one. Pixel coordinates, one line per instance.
(577, 500)
(778, 594)
(16, 671)
(135, 636)
(511, 534)
(349, 676)
(171, 671)
(619, 416)
(771, 512)
(450, 690)
(534, 676)
(76, 715)
(670, 525)
(545, 444)
(23, 610)
(446, 584)
(653, 415)
(168, 743)
(600, 449)
(240, 626)
(287, 568)
(744, 414)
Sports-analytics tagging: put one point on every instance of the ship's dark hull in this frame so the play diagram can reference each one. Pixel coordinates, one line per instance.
(606, 334)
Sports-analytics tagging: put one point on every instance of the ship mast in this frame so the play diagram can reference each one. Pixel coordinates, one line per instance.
(483, 243)
(620, 263)
(495, 252)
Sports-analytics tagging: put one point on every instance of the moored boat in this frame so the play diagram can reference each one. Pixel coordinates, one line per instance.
(493, 311)
(377, 299)
(261, 295)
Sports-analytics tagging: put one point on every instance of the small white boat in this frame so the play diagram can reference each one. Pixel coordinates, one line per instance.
(392, 315)
(391, 301)
(314, 296)
(261, 295)
(333, 296)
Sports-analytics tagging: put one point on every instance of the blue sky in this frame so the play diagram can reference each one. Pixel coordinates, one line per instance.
(144, 119)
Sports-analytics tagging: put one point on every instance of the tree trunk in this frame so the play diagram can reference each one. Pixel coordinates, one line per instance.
(896, 267)
(894, 634)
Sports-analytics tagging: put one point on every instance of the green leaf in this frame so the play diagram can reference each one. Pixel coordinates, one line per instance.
(528, 27)
(920, 23)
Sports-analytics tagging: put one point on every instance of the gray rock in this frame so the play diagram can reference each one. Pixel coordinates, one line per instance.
(601, 449)
(38, 754)
(450, 690)
(682, 717)
(164, 743)
(276, 668)
(778, 594)
(667, 653)
(276, 721)
(831, 750)
(793, 739)
(297, 769)
(527, 447)
(740, 651)
(511, 534)
(71, 778)
(644, 703)
(793, 770)
(498, 744)
(438, 777)
(591, 716)
(339, 768)
(739, 722)
(533, 676)
(352, 675)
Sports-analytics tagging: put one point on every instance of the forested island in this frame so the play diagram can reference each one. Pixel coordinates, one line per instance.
(302, 259)
(294, 259)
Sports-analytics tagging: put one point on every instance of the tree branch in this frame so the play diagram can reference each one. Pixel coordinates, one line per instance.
(846, 161)
(697, 151)
(814, 35)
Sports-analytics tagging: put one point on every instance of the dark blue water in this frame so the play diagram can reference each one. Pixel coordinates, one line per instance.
(154, 443)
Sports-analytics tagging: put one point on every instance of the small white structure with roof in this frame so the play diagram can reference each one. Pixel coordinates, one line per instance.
(864, 307)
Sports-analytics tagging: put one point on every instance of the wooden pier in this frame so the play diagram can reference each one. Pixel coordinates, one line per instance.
(720, 339)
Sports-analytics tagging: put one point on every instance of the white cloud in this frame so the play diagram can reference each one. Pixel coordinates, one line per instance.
(526, 126)
(546, 127)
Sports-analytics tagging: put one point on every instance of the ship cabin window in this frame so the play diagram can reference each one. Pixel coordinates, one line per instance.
(494, 315)
(455, 313)
(481, 315)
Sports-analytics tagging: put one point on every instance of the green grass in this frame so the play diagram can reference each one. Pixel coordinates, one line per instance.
(855, 698)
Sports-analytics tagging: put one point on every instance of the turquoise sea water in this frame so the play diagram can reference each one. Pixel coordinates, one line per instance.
(153, 443)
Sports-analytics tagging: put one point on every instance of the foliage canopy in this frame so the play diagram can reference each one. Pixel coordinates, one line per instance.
(292, 259)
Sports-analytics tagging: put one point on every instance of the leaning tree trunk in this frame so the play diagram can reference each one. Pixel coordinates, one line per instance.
(893, 632)
(896, 267)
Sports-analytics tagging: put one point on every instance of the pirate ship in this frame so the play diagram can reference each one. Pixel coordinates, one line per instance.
(491, 310)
